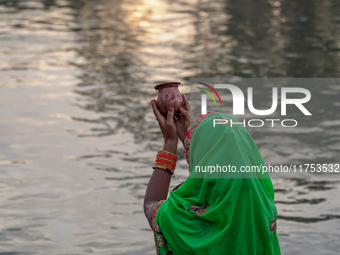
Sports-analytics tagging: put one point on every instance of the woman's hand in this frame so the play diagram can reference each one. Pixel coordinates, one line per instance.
(167, 127)
(159, 182)
(184, 121)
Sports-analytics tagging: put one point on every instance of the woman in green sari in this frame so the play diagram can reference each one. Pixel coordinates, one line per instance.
(209, 213)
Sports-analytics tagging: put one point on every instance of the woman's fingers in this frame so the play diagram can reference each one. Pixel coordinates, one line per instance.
(186, 103)
(160, 118)
(170, 116)
(185, 113)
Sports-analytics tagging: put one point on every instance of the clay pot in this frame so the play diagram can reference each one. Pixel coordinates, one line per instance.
(169, 96)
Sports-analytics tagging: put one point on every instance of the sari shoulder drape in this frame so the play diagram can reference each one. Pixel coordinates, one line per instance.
(218, 215)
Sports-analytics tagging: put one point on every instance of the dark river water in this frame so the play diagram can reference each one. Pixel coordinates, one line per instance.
(78, 136)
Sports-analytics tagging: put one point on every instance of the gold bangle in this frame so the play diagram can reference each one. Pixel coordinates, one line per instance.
(168, 169)
(172, 169)
(167, 152)
(159, 166)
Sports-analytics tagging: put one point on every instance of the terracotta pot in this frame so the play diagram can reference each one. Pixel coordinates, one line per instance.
(169, 96)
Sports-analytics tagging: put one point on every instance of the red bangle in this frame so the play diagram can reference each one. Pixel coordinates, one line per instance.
(161, 162)
(165, 161)
(166, 157)
(172, 158)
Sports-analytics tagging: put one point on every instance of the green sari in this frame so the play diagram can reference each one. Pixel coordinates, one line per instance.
(218, 215)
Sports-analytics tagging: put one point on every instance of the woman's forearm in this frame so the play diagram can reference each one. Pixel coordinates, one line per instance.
(159, 184)
(160, 180)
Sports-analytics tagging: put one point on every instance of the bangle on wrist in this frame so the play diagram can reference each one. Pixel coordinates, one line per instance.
(165, 160)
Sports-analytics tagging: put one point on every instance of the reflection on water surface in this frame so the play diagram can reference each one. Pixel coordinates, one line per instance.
(78, 136)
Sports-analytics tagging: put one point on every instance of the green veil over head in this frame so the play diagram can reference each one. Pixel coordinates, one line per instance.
(223, 213)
